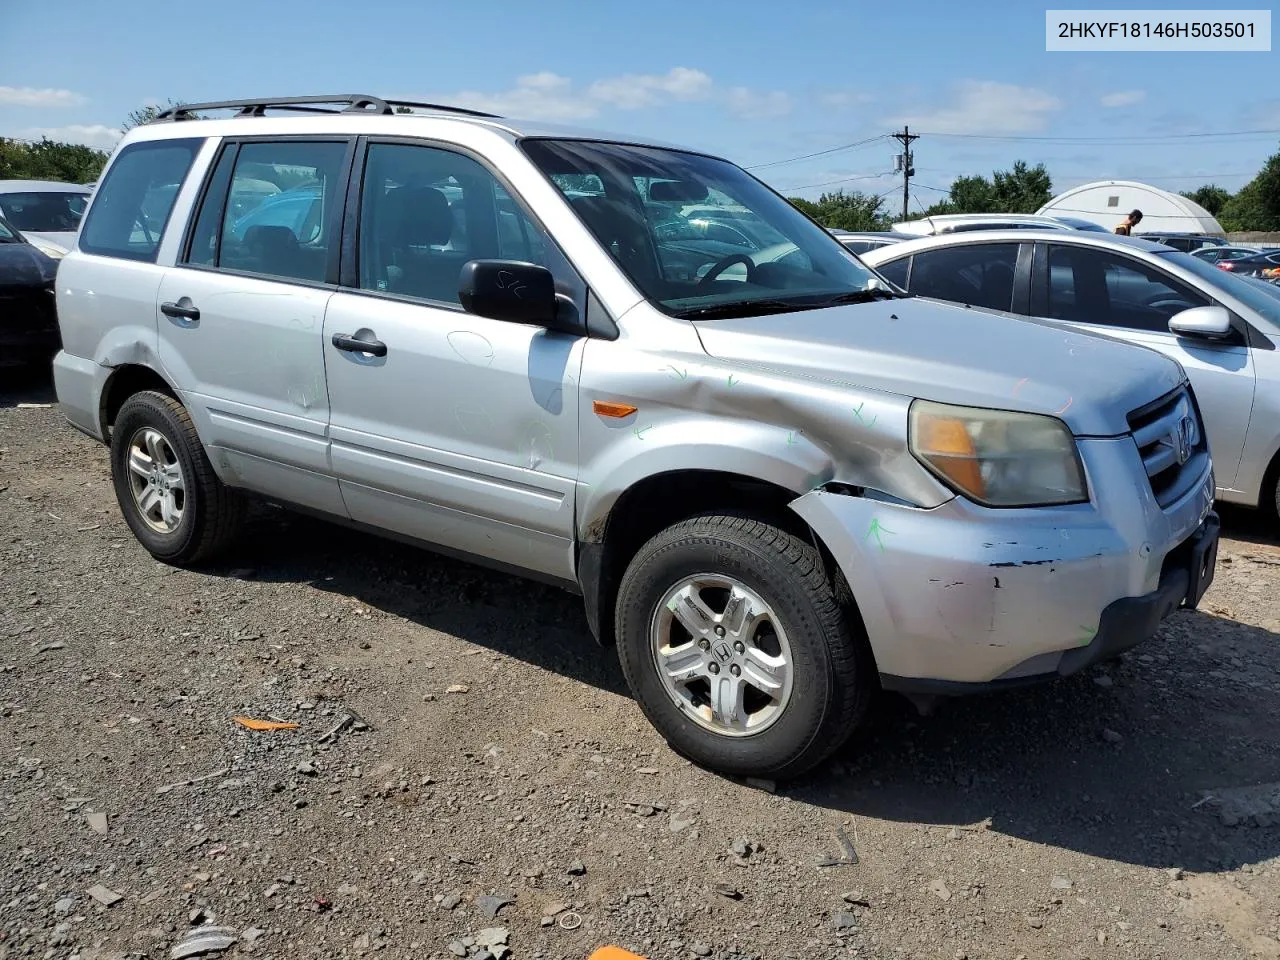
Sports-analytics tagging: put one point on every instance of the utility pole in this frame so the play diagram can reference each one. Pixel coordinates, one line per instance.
(905, 163)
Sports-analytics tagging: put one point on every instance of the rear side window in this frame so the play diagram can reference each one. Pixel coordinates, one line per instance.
(979, 274)
(131, 206)
(272, 209)
(895, 271)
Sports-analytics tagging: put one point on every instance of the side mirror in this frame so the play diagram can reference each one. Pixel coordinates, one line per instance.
(517, 292)
(1213, 323)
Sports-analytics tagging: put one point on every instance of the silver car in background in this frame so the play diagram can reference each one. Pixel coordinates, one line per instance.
(47, 212)
(1224, 331)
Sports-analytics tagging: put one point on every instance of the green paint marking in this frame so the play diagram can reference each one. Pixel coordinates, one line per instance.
(857, 412)
(791, 437)
(639, 432)
(679, 374)
(733, 382)
(1087, 634)
(876, 530)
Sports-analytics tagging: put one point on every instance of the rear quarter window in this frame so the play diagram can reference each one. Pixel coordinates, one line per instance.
(132, 204)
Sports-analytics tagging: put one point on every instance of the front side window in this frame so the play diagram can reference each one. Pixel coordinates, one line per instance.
(424, 212)
(281, 213)
(698, 236)
(45, 211)
(979, 274)
(7, 235)
(132, 204)
(1099, 287)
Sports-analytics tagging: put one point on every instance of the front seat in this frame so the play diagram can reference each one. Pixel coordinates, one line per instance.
(622, 231)
(421, 219)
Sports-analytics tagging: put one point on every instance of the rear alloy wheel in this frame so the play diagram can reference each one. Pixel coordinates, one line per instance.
(737, 650)
(170, 497)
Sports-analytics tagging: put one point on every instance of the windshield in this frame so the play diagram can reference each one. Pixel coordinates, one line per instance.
(1258, 300)
(44, 212)
(699, 236)
(1077, 224)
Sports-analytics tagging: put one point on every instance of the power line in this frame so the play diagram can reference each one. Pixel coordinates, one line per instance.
(820, 153)
(1102, 141)
(811, 186)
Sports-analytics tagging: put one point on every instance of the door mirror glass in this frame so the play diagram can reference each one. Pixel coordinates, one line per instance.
(1211, 322)
(514, 291)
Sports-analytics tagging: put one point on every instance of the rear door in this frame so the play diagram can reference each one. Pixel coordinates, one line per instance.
(1125, 298)
(458, 429)
(242, 313)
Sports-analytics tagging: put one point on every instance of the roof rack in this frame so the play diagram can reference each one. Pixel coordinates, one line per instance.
(354, 103)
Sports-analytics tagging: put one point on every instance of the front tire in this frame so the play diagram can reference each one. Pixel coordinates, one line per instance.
(736, 648)
(168, 493)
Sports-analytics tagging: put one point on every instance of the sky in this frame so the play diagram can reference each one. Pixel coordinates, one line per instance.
(756, 82)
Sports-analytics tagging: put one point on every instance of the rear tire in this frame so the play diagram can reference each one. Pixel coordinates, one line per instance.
(723, 599)
(170, 497)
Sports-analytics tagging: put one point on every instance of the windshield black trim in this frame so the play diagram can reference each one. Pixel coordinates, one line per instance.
(674, 312)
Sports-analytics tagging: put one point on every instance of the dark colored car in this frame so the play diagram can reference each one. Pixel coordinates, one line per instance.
(1216, 254)
(1186, 242)
(28, 320)
(1265, 265)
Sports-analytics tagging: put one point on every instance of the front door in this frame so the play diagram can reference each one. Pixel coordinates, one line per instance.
(1125, 298)
(456, 429)
(242, 315)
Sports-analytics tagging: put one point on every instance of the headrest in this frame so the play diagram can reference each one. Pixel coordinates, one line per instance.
(607, 218)
(420, 216)
(677, 191)
(268, 236)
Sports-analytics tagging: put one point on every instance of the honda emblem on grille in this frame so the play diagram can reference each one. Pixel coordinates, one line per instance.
(1181, 440)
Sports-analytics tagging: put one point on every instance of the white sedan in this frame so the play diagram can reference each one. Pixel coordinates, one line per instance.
(46, 212)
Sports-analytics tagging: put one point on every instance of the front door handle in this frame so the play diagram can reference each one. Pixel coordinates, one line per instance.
(180, 309)
(344, 341)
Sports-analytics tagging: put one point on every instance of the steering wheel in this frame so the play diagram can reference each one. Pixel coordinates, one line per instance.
(720, 266)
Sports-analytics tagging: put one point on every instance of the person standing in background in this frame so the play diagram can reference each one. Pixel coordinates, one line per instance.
(1125, 229)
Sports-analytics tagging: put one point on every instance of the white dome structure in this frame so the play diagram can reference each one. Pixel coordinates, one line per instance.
(1108, 202)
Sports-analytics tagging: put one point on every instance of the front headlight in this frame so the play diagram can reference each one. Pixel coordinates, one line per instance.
(996, 457)
(50, 250)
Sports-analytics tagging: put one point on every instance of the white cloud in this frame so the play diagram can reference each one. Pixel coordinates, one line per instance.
(555, 98)
(33, 97)
(752, 105)
(840, 99)
(97, 135)
(986, 107)
(1123, 98)
(635, 90)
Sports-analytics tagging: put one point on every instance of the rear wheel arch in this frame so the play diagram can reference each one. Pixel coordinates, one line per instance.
(125, 381)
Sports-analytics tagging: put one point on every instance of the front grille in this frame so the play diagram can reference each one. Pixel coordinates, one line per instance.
(1172, 444)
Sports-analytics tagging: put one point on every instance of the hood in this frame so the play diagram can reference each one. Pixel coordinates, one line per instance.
(923, 348)
(63, 238)
(22, 265)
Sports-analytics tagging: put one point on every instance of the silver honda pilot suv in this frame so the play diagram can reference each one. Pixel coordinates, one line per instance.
(636, 371)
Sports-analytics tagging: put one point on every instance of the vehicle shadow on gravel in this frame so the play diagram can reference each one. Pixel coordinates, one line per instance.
(26, 385)
(1117, 770)
(539, 624)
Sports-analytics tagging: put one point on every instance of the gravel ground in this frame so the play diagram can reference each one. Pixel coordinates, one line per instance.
(491, 790)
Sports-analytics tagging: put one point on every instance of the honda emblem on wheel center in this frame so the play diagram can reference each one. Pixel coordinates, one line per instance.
(723, 652)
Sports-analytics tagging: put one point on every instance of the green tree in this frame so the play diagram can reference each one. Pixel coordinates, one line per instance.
(972, 195)
(845, 210)
(1212, 197)
(1021, 190)
(1257, 205)
(50, 160)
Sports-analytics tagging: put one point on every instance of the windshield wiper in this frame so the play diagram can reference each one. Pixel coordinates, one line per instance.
(742, 308)
(861, 296)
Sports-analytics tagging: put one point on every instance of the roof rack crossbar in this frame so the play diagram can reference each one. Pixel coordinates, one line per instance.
(353, 103)
(257, 107)
(445, 108)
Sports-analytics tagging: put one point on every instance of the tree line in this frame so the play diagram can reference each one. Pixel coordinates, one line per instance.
(1024, 189)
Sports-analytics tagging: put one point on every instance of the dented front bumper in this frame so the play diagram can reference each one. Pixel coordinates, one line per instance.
(962, 597)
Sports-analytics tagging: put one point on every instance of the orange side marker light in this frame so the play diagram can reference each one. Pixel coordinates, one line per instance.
(607, 408)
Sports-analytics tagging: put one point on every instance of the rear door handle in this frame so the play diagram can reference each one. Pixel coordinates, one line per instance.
(183, 310)
(344, 341)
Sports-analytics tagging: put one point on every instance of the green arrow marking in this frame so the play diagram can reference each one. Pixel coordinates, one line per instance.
(877, 531)
(733, 382)
(639, 432)
(857, 412)
(679, 374)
